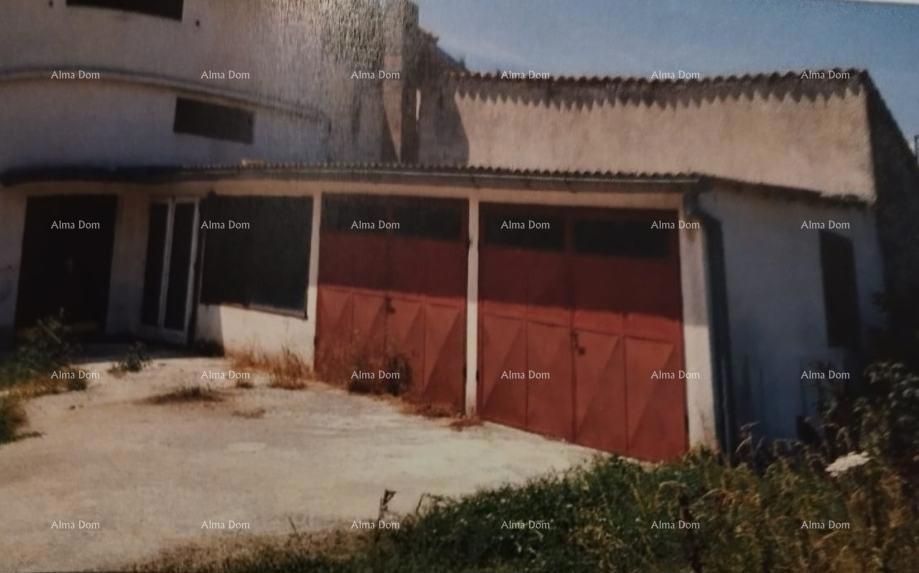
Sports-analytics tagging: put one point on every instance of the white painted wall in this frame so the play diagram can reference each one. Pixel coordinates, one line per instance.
(126, 116)
(775, 297)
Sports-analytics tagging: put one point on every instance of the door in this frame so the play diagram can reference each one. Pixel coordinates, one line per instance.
(168, 274)
(580, 327)
(67, 261)
(392, 293)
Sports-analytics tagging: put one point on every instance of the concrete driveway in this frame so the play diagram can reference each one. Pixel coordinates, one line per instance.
(142, 477)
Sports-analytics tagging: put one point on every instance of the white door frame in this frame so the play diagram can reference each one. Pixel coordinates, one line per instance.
(159, 331)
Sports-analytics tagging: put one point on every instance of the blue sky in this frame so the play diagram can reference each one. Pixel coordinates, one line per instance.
(635, 37)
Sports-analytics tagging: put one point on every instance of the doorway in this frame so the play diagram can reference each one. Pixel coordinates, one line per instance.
(172, 242)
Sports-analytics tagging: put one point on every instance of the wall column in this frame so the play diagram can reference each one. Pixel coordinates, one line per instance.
(697, 339)
(312, 289)
(472, 308)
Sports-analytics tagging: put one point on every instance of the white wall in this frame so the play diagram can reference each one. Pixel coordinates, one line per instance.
(775, 297)
(283, 45)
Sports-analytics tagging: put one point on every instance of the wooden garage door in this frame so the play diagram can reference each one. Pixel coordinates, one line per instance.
(580, 327)
(392, 292)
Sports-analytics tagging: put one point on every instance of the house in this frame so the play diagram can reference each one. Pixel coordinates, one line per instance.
(636, 265)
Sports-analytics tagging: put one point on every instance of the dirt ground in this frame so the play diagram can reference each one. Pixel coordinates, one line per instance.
(151, 475)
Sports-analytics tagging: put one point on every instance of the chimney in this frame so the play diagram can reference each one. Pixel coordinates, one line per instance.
(400, 34)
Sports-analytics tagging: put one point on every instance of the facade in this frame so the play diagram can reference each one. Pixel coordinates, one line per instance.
(637, 266)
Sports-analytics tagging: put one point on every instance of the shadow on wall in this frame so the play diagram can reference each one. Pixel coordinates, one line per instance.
(441, 135)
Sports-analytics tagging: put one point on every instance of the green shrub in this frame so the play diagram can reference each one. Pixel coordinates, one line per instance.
(45, 347)
(12, 416)
(134, 360)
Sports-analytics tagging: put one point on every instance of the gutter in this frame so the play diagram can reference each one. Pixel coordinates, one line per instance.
(719, 316)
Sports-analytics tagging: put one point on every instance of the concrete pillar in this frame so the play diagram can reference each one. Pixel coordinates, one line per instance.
(12, 227)
(312, 289)
(128, 259)
(697, 340)
(472, 309)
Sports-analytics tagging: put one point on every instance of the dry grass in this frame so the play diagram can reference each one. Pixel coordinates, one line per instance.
(428, 410)
(44, 385)
(244, 384)
(250, 414)
(286, 371)
(187, 394)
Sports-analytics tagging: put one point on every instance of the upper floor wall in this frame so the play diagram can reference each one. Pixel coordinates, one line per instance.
(781, 130)
(282, 60)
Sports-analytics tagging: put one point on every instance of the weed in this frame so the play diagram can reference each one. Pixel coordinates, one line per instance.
(12, 416)
(187, 394)
(464, 422)
(43, 348)
(286, 371)
(134, 360)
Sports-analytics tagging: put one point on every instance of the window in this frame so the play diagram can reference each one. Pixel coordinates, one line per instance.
(163, 8)
(214, 121)
(621, 238)
(256, 251)
(525, 229)
(840, 295)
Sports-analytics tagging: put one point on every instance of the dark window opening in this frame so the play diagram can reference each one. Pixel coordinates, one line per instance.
(518, 229)
(346, 213)
(163, 8)
(621, 239)
(840, 293)
(214, 121)
(438, 219)
(256, 251)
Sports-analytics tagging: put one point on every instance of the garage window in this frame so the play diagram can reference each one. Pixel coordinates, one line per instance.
(525, 230)
(214, 121)
(171, 9)
(621, 239)
(256, 252)
(840, 294)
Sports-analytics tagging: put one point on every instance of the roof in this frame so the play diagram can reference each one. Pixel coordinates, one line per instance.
(646, 90)
(460, 175)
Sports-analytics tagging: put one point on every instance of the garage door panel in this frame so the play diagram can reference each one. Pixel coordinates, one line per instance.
(502, 281)
(547, 280)
(368, 328)
(334, 312)
(600, 391)
(432, 268)
(503, 350)
(445, 345)
(354, 259)
(655, 403)
(405, 338)
(548, 378)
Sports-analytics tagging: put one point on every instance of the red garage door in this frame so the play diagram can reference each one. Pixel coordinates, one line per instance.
(580, 327)
(392, 292)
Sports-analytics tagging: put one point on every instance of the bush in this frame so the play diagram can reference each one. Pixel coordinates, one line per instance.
(45, 347)
(12, 416)
(134, 360)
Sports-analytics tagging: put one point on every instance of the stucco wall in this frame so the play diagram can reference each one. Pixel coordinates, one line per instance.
(281, 44)
(757, 135)
(57, 123)
(776, 301)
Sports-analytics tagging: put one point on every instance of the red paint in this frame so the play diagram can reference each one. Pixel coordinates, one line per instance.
(599, 323)
(385, 293)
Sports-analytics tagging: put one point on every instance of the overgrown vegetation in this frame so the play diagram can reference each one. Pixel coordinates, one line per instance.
(134, 360)
(38, 366)
(847, 503)
(286, 371)
(12, 416)
(44, 348)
